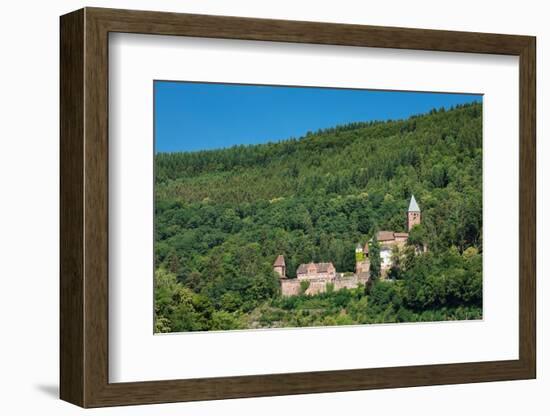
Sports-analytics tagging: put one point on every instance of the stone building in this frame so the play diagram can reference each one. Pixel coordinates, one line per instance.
(388, 240)
(312, 278)
(312, 271)
(317, 276)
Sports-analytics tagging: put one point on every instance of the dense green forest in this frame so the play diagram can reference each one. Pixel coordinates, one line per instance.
(222, 217)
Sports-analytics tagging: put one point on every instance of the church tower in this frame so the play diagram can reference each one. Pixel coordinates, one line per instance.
(413, 215)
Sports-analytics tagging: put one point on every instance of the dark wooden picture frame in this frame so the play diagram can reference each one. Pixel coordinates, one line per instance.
(84, 207)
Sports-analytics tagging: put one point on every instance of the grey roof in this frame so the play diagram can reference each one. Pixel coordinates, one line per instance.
(413, 206)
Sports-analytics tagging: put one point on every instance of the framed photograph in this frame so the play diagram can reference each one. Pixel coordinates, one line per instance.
(255, 207)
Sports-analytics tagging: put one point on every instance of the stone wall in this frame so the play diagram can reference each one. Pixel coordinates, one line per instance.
(362, 266)
(349, 282)
(291, 287)
(311, 276)
(401, 239)
(317, 286)
(413, 219)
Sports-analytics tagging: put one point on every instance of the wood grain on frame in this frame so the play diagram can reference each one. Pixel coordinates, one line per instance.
(84, 207)
(71, 218)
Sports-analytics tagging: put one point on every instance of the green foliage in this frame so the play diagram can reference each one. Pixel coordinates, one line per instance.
(375, 260)
(417, 236)
(304, 286)
(397, 263)
(178, 308)
(440, 281)
(222, 217)
(223, 320)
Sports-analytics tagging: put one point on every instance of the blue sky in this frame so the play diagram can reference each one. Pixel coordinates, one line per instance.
(199, 116)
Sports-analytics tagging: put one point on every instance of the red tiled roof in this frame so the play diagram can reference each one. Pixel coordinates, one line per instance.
(385, 236)
(323, 267)
(279, 261)
(302, 268)
(318, 267)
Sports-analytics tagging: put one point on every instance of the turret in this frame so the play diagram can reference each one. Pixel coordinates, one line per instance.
(279, 266)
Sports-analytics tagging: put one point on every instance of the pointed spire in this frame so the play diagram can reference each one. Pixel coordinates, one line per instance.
(279, 261)
(413, 206)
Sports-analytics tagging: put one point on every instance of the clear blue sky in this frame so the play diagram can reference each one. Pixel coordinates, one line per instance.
(198, 116)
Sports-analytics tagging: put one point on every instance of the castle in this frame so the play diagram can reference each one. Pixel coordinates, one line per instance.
(312, 278)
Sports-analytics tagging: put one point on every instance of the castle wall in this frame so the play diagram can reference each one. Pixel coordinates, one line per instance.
(314, 275)
(316, 286)
(349, 282)
(290, 287)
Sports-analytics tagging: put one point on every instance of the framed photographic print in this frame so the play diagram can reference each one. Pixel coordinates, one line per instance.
(255, 207)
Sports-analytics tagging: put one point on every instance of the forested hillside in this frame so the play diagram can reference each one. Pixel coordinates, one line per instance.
(222, 216)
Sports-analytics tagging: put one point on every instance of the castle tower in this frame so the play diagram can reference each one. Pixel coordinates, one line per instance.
(279, 266)
(362, 261)
(413, 214)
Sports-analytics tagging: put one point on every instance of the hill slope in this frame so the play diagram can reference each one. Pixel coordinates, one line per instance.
(223, 216)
